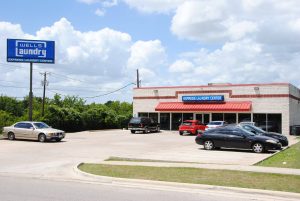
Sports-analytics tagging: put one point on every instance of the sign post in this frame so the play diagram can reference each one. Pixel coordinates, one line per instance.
(30, 51)
(30, 94)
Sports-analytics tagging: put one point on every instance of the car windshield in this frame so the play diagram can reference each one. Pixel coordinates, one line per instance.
(41, 125)
(215, 123)
(246, 131)
(257, 129)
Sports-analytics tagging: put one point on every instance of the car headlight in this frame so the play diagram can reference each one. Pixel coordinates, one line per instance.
(271, 141)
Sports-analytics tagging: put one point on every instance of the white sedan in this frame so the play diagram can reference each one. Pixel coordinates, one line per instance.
(32, 131)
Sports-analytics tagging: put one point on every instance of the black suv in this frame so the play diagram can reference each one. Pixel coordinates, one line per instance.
(144, 124)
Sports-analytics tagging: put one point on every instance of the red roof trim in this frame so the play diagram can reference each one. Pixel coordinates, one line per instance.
(233, 106)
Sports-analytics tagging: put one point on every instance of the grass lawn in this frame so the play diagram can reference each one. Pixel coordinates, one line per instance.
(113, 158)
(278, 182)
(289, 158)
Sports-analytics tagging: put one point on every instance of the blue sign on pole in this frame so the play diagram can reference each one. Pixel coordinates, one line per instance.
(218, 98)
(33, 51)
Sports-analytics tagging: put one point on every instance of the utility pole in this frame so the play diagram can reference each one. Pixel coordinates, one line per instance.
(44, 83)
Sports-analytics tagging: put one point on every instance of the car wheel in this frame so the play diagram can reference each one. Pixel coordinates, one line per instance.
(132, 131)
(208, 145)
(11, 136)
(58, 139)
(180, 133)
(258, 147)
(42, 138)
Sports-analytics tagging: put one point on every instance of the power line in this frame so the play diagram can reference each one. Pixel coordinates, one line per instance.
(11, 81)
(54, 75)
(60, 75)
(68, 77)
(5, 64)
(17, 87)
(57, 74)
(111, 91)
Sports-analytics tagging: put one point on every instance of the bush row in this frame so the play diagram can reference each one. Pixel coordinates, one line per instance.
(69, 114)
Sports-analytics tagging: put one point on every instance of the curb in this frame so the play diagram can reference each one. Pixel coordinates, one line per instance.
(184, 187)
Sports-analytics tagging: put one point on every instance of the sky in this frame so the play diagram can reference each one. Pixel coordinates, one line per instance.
(101, 43)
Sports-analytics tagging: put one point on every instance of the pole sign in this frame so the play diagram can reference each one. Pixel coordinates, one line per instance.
(32, 51)
(216, 98)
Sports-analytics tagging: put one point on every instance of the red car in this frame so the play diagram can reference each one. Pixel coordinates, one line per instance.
(191, 127)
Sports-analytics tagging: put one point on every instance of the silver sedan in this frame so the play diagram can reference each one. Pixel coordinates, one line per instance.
(32, 131)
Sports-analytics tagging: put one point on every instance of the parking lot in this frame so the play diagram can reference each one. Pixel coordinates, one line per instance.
(58, 159)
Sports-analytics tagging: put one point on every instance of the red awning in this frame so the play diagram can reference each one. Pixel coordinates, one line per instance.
(225, 106)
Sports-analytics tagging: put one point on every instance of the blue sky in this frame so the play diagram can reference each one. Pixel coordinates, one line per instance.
(100, 44)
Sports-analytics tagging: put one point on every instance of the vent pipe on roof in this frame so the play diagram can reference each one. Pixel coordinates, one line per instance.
(213, 84)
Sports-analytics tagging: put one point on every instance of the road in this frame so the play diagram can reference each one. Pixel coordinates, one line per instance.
(34, 189)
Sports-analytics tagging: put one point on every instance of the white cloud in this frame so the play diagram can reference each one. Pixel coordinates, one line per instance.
(239, 62)
(90, 1)
(147, 54)
(224, 20)
(295, 25)
(100, 12)
(150, 58)
(181, 66)
(86, 52)
(111, 3)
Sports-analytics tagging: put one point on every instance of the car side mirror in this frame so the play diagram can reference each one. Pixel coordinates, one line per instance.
(32, 128)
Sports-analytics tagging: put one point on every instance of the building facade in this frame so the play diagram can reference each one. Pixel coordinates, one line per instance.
(273, 107)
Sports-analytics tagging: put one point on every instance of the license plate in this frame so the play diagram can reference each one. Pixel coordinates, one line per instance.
(185, 132)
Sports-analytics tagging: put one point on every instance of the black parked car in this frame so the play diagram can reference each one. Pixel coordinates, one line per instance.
(143, 124)
(253, 129)
(236, 137)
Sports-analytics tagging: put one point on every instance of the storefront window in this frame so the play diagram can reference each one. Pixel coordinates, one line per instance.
(165, 121)
(244, 117)
(199, 117)
(260, 120)
(176, 120)
(205, 118)
(274, 123)
(142, 114)
(217, 116)
(154, 116)
(187, 116)
(230, 118)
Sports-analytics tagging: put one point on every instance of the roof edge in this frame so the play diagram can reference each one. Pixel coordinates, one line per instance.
(221, 85)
